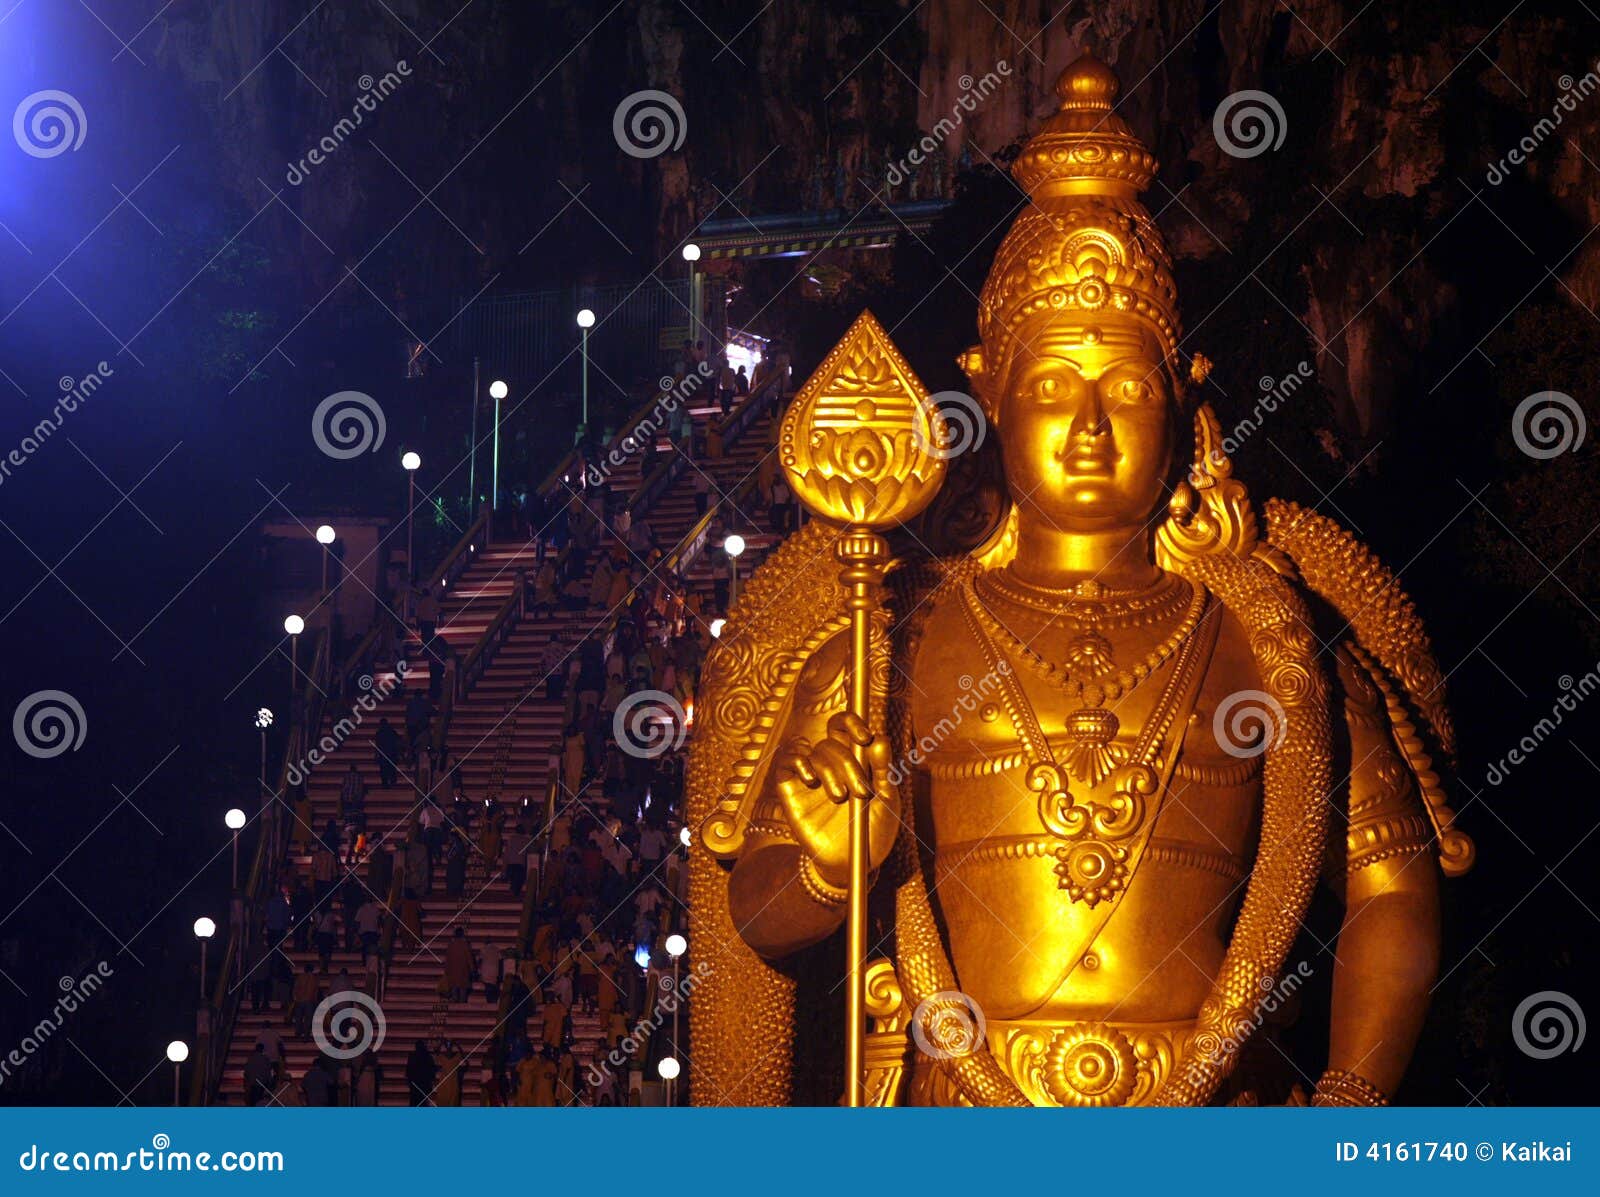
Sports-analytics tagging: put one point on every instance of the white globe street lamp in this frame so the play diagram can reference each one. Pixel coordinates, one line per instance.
(691, 255)
(585, 323)
(178, 1052)
(716, 627)
(235, 820)
(411, 462)
(733, 545)
(204, 929)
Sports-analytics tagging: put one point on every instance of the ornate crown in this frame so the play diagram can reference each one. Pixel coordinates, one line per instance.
(1085, 244)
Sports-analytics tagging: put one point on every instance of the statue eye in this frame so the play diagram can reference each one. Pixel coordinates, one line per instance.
(1133, 390)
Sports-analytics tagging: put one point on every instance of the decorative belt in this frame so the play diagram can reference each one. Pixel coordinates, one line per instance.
(1022, 847)
(1069, 1063)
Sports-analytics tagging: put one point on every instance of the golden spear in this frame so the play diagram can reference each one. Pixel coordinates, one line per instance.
(859, 445)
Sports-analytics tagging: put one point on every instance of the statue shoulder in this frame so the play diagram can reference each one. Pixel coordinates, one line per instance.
(1384, 660)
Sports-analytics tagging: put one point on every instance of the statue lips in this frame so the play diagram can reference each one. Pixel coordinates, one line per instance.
(1093, 457)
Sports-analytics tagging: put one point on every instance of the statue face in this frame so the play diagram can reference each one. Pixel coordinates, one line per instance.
(1085, 427)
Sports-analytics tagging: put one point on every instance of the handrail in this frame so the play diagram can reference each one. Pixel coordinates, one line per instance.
(495, 634)
(224, 1005)
(457, 559)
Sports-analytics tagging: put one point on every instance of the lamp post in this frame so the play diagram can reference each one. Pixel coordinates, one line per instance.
(235, 819)
(204, 929)
(177, 1052)
(263, 721)
(676, 946)
(733, 545)
(497, 391)
(294, 625)
(412, 462)
(585, 323)
(691, 255)
(716, 627)
(325, 537)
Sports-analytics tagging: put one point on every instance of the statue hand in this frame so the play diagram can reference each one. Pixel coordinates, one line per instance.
(815, 782)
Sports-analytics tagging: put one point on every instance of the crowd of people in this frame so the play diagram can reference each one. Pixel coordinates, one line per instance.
(580, 1008)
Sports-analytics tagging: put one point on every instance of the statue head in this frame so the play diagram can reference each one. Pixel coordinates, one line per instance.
(1079, 363)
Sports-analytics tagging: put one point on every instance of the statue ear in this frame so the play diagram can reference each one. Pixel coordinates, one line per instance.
(976, 369)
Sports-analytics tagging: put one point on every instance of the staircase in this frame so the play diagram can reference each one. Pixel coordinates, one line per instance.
(500, 732)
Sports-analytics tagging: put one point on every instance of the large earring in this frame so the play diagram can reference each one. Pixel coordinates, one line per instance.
(1215, 515)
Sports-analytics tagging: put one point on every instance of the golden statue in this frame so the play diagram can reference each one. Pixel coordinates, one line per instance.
(1096, 767)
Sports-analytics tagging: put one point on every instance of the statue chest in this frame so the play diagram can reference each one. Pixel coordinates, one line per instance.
(1070, 860)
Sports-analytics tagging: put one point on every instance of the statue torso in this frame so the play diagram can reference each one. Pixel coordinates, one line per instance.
(1022, 947)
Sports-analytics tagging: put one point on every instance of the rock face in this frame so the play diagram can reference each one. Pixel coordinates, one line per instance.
(495, 158)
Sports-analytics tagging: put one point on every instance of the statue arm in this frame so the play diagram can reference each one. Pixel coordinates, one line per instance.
(1388, 946)
(787, 887)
